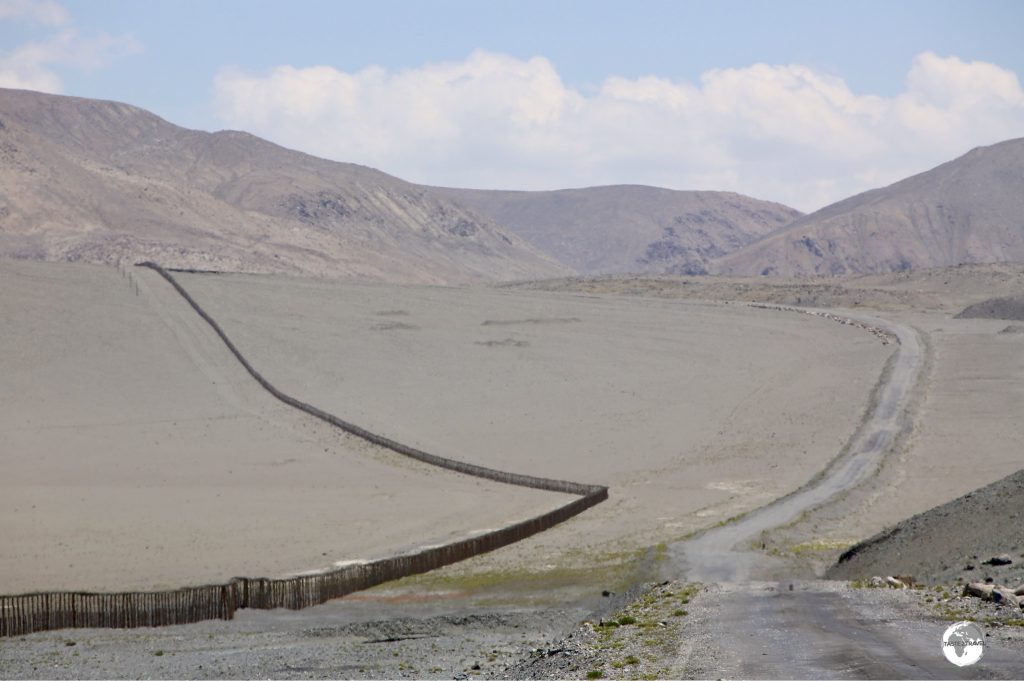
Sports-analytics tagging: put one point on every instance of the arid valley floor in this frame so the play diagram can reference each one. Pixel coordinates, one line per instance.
(152, 460)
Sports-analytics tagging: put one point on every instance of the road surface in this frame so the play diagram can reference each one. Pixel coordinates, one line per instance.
(723, 554)
(823, 630)
(817, 629)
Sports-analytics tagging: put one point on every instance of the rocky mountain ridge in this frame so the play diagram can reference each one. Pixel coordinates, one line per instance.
(630, 228)
(969, 210)
(101, 181)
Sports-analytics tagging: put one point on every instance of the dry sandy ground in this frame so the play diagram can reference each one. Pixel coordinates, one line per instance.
(968, 426)
(942, 289)
(136, 453)
(691, 412)
(968, 430)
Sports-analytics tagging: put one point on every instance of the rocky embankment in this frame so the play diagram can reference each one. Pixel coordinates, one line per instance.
(976, 537)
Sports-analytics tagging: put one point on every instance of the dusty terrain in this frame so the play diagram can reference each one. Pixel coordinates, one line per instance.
(608, 358)
(778, 630)
(138, 454)
(943, 289)
(966, 415)
(966, 435)
(691, 413)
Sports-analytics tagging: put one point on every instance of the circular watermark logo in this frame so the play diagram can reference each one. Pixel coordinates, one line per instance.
(963, 643)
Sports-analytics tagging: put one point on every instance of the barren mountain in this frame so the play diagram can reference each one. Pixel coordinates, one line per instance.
(630, 228)
(100, 181)
(969, 210)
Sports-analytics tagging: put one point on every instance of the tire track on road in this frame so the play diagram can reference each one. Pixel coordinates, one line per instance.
(723, 554)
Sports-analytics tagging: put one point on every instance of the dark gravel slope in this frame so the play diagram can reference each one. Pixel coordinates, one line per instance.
(996, 308)
(954, 540)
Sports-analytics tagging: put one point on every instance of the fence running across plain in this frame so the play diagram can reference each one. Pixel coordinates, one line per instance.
(27, 613)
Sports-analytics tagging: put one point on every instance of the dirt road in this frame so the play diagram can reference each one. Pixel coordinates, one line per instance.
(815, 629)
(823, 630)
(724, 554)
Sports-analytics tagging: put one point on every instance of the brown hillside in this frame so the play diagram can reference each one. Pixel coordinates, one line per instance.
(100, 181)
(970, 210)
(630, 228)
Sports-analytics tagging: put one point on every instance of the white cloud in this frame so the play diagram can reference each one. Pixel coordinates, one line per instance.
(35, 65)
(785, 132)
(44, 12)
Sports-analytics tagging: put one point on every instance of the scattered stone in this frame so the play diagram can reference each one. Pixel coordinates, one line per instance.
(1002, 559)
(1001, 594)
(979, 590)
(895, 583)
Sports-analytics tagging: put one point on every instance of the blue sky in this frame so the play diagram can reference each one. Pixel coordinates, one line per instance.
(667, 67)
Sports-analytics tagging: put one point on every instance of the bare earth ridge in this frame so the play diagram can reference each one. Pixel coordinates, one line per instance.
(965, 211)
(630, 228)
(96, 181)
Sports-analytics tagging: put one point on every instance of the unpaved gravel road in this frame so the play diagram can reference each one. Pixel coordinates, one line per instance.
(778, 630)
(813, 629)
(825, 629)
(723, 554)
(736, 627)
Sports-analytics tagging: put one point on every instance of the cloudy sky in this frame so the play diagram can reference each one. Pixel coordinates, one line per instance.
(799, 102)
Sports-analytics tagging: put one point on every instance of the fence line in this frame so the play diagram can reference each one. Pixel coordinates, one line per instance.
(26, 613)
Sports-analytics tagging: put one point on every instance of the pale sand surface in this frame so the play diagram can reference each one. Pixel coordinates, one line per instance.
(690, 411)
(969, 428)
(137, 453)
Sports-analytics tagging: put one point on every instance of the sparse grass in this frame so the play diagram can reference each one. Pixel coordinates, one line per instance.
(820, 546)
(730, 519)
(595, 674)
(614, 570)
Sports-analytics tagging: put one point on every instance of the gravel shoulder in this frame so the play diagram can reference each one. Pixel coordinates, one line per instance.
(377, 634)
(801, 629)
